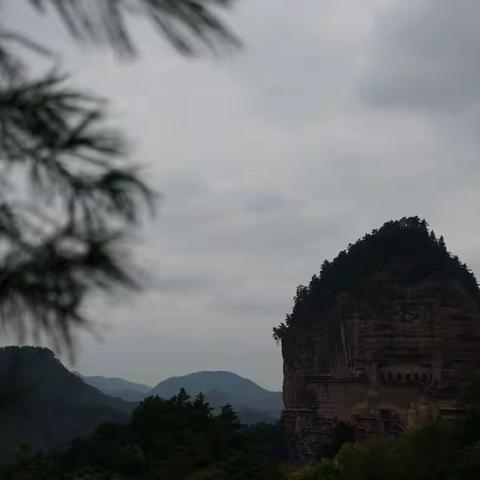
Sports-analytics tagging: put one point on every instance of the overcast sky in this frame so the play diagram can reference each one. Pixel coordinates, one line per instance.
(335, 117)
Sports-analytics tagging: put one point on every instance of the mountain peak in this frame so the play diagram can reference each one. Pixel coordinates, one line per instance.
(34, 385)
(404, 251)
(221, 387)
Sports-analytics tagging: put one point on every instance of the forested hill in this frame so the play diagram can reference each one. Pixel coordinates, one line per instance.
(252, 402)
(44, 405)
(405, 247)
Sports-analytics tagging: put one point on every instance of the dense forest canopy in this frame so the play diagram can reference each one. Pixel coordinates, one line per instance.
(175, 439)
(406, 246)
(181, 439)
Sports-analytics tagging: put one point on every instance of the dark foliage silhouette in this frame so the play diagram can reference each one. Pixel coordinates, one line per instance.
(178, 438)
(44, 405)
(181, 438)
(188, 24)
(69, 195)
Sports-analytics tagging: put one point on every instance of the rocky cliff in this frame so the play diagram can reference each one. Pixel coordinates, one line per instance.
(381, 340)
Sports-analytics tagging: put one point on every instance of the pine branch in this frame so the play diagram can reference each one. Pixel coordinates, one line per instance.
(61, 243)
(51, 264)
(187, 24)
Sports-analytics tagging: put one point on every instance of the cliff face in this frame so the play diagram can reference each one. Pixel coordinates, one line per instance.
(382, 357)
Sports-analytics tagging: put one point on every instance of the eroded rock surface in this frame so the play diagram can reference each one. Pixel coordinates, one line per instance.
(382, 357)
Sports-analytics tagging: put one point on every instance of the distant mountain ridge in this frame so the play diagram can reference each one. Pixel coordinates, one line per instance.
(45, 405)
(252, 402)
(118, 387)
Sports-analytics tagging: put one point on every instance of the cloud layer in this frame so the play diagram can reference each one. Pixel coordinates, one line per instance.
(335, 117)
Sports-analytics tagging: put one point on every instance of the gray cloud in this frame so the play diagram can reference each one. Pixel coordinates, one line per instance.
(425, 57)
(336, 117)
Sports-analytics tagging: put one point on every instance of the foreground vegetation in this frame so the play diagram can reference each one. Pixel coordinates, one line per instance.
(442, 450)
(180, 439)
(171, 439)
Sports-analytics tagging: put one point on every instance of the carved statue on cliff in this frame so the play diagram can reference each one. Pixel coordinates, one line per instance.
(382, 339)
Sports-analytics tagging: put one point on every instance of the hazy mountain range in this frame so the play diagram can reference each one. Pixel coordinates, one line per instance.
(45, 405)
(118, 387)
(252, 402)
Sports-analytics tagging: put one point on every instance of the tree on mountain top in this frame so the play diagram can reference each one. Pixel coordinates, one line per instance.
(405, 245)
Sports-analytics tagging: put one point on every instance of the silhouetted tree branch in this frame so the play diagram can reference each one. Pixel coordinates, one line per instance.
(185, 23)
(68, 192)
